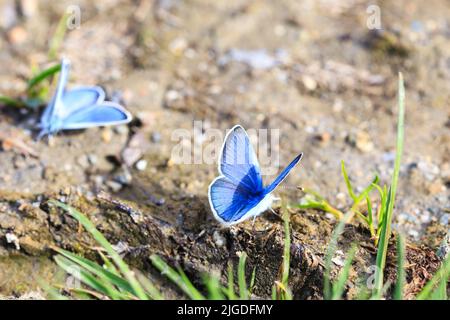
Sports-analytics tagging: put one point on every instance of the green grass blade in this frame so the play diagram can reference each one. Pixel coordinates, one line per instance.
(98, 271)
(180, 279)
(381, 211)
(347, 181)
(43, 75)
(365, 193)
(149, 287)
(187, 283)
(370, 217)
(58, 37)
(274, 292)
(398, 293)
(252, 281)
(52, 292)
(339, 286)
(242, 283)
(10, 102)
(440, 293)
(313, 200)
(214, 288)
(230, 290)
(108, 264)
(362, 293)
(286, 255)
(121, 265)
(327, 293)
(382, 249)
(388, 212)
(441, 278)
(84, 276)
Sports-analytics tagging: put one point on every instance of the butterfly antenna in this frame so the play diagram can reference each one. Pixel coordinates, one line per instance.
(41, 134)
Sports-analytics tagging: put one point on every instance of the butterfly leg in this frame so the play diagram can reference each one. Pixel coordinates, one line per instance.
(41, 135)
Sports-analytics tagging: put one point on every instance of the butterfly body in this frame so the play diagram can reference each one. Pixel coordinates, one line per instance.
(239, 193)
(79, 108)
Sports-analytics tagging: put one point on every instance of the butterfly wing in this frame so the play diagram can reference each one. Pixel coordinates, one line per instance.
(104, 114)
(55, 105)
(238, 161)
(231, 203)
(283, 174)
(225, 199)
(81, 97)
(239, 188)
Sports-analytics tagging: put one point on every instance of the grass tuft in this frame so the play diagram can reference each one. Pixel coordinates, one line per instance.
(115, 280)
(388, 207)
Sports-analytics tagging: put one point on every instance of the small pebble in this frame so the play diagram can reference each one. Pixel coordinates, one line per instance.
(106, 134)
(92, 158)
(309, 83)
(341, 198)
(65, 191)
(172, 95)
(12, 238)
(445, 219)
(436, 187)
(141, 165)
(363, 142)
(124, 177)
(122, 130)
(219, 240)
(429, 170)
(17, 35)
(338, 260)
(29, 7)
(338, 105)
(444, 248)
(322, 138)
(121, 247)
(98, 181)
(156, 137)
(8, 14)
(177, 46)
(114, 186)
(413, 233)
(425, 217)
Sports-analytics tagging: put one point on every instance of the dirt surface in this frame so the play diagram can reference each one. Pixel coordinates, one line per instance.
(325, 80)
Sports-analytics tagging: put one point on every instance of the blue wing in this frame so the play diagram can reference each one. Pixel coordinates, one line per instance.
(55, 104)
(239, 189)
(107, 113)
(283, 174)
(232, 203)
(226, 198)
(238, 161)
(81, 97)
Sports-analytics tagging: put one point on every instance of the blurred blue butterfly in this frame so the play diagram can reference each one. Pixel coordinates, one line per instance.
(79, 108)
(239, 193)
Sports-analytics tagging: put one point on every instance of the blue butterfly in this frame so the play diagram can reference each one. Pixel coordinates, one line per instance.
(79, 108)
(239, 193)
